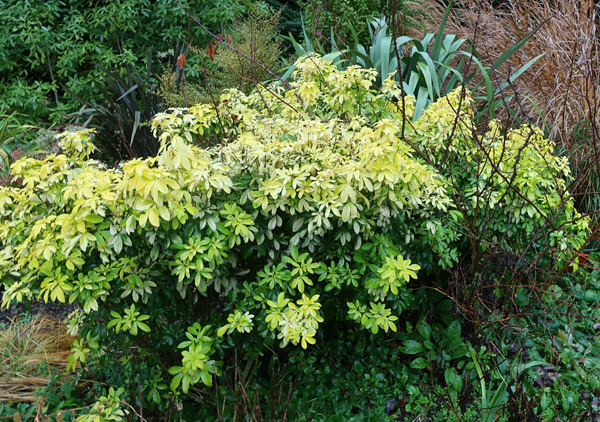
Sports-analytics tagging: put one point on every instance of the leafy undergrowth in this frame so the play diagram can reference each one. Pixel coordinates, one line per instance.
(539, 366)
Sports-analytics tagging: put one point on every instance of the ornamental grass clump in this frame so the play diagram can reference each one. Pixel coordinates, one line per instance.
(29, 350)
(561, 92)
(322, 207)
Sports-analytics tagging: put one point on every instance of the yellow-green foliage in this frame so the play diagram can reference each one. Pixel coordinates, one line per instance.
(254, 36)
(169, 89)
(314, 195)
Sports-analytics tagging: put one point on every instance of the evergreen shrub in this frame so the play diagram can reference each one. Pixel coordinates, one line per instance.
(320, 206)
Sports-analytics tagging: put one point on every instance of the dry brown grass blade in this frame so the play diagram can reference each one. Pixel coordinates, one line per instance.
(562, 82)
(25, 350)
(20, 389)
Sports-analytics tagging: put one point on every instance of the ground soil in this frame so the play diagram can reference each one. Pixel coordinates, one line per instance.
(38, 307)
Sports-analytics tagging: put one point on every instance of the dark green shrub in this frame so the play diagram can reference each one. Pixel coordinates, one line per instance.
(43, 43)
(346, 18)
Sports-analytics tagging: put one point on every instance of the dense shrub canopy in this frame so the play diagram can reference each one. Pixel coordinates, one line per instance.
(46, 44)
(321, 203)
